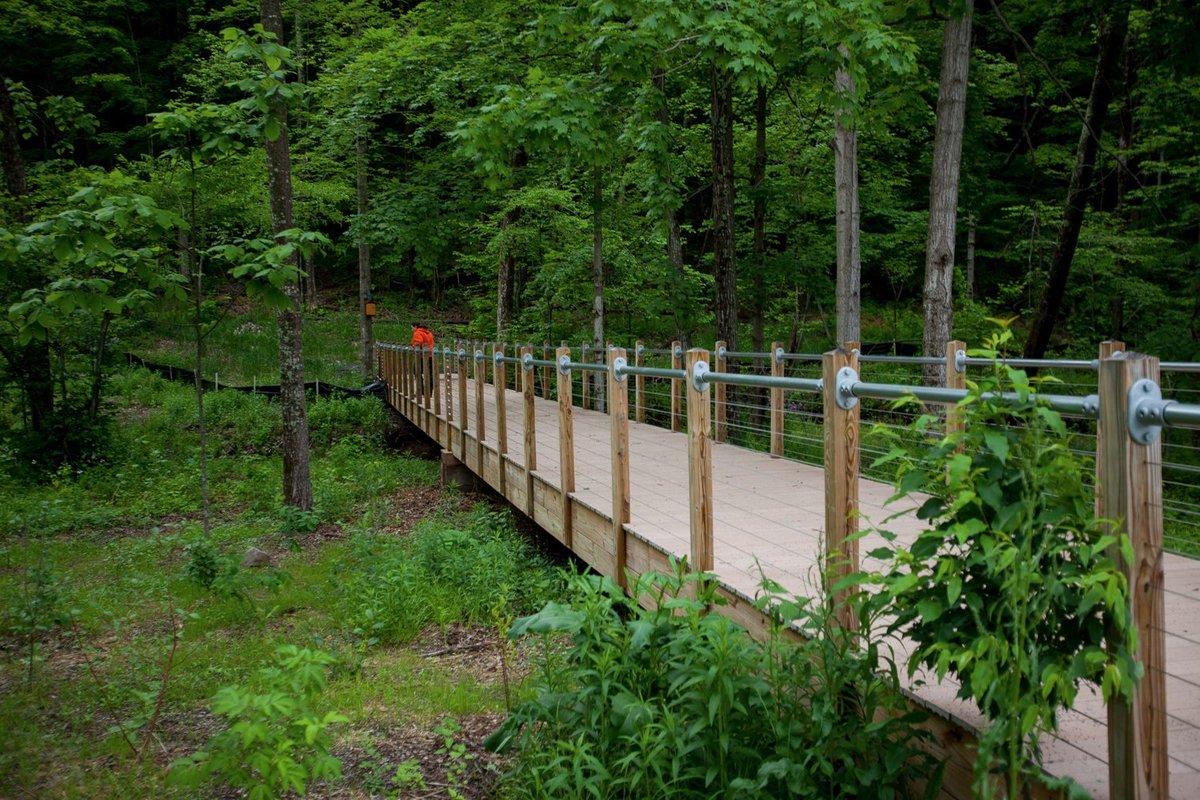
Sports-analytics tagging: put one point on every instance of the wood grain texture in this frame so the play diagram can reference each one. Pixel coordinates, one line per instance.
(676, 388)
(720, 364)
(618, 412)
(700, 499)
(1132, 496)
(480, 372)
(545, 371)
(529, 429)
(639, 400)
(585, 385)
(462, 401)
(841, 482)
(776, 403)
(1108, 349)
(954, 380)
(566, 444)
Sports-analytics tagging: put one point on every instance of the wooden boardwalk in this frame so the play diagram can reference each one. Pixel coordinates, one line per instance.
(769, 514)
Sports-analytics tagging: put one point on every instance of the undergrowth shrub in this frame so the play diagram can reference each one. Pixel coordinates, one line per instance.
(441, 573)
(332, 419)
(679, 702)
(275, 741)
(1013, 588)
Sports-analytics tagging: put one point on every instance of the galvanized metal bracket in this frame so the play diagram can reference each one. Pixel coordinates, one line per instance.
(843, 390)
(479, 355)
(639, 350)
(496, 358)
(779, 355)
(721, 351)
(618, 369)
(677, 352)
(1146, 411)
(700, 375)
(1091, 405)
(462, 354)
(527, 362)
(564, 364)
(960, 361)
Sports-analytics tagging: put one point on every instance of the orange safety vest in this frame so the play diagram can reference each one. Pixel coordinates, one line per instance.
(422, 338)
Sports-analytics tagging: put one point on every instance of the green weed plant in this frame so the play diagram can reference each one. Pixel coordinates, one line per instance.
(275, 741)
(679, 702)
(1012, 588)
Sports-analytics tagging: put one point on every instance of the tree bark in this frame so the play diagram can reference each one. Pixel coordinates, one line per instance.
(504, 280)
(30, 363)
(297, 482)
(845, 170)
(1112, 35)
(674, 240)
(366, 333)
(724, 252)
(599, 378)
(943, 192)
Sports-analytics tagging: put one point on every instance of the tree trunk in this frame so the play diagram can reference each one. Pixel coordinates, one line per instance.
(845, 171)
(758, 226)
(30, 363)
(674, 240)
(971, 257)
(1080, 187)
(724, 253)
(366, 333)
(14, 164)
(504, 279)
(297, 482)
(943, 192)
(598, 280)
(758, 223)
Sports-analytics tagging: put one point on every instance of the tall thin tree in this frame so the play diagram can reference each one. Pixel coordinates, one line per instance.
(943, 190)
(297, 482)
(845, 171)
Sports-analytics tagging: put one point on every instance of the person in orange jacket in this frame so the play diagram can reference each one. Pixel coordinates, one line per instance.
(423, 338)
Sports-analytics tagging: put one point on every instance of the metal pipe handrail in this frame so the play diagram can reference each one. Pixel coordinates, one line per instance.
(902, 359)
(764, 381)
(652, 372)
(1088, 406)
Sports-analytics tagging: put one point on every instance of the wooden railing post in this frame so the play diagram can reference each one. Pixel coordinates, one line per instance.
(954, 380)
(566, 443)
(720, 364)
(500, 383)
(585, 388)
(530, 391)
(639, 396)
(776, 402)
(462, 401)
(434, 386)
(448, 382)
(480, 366)
(1108, 349)
(676, 385)
(402, 394)
(700, 494)
(618, 406)
(1132, 498)
(545, 371)
(841, 483)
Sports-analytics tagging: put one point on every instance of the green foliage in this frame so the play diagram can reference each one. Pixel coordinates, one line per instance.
(680, 702)
(275, 741)
(1014, 588)
(441, 574)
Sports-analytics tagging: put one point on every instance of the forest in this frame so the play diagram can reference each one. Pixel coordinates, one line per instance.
(225, 186)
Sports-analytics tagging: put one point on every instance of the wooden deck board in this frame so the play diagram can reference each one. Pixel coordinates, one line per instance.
(769, 512)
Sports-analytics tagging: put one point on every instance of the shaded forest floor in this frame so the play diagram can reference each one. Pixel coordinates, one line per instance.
(121, 619)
